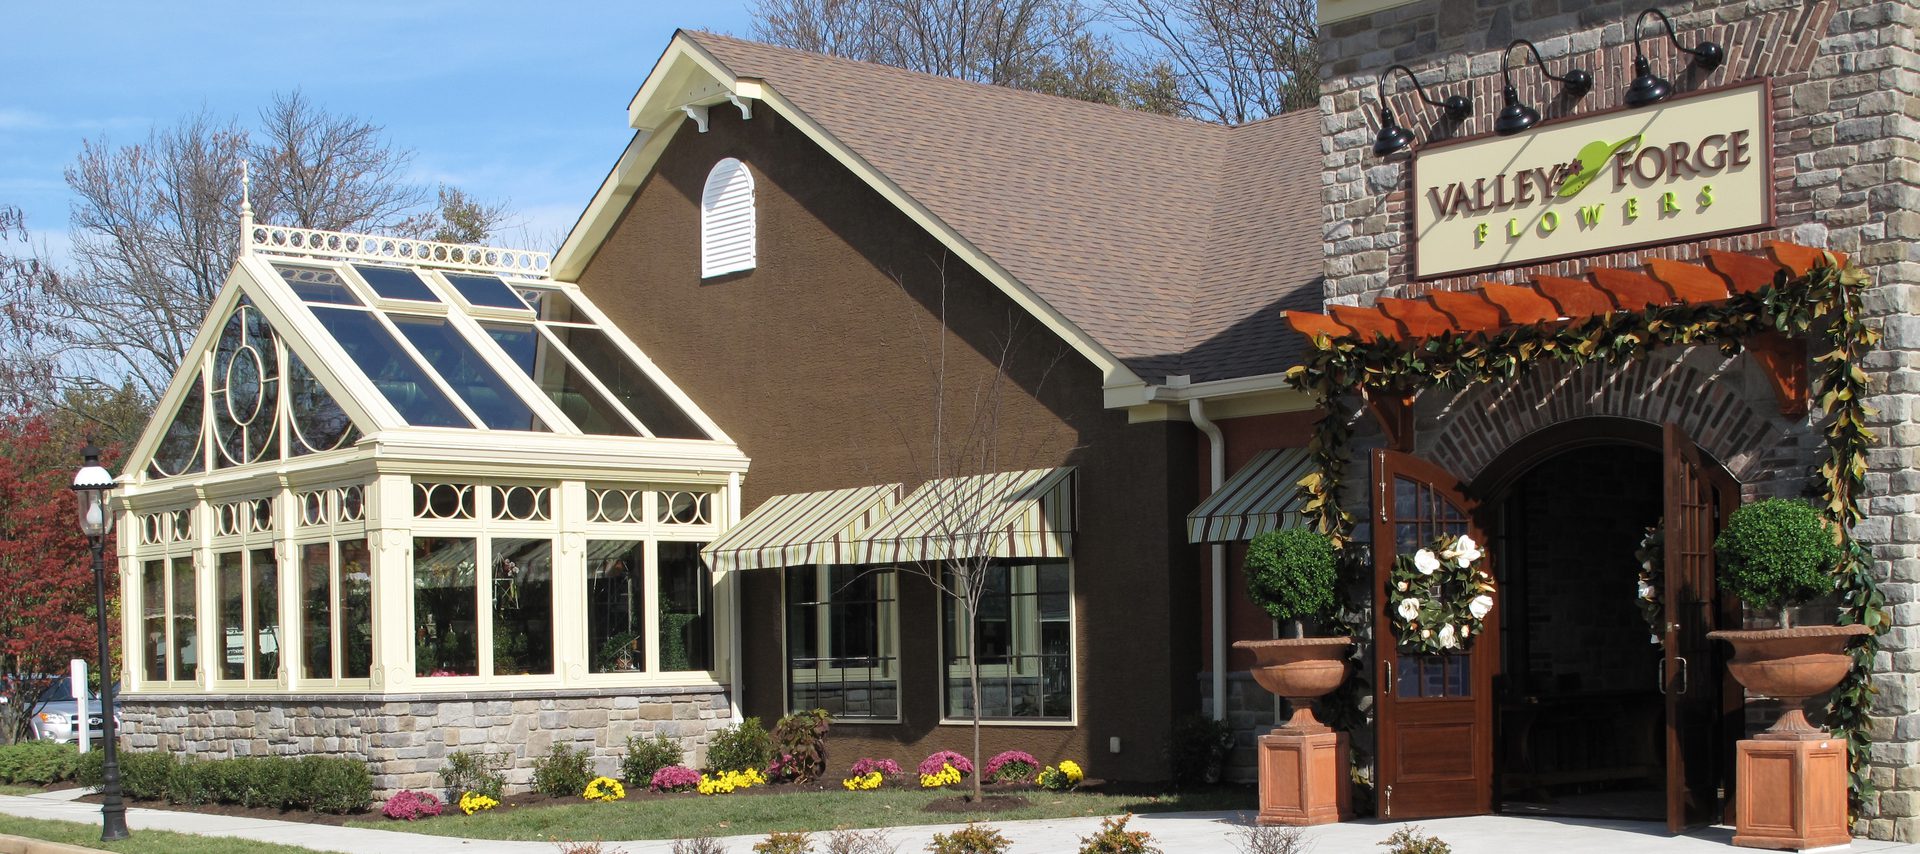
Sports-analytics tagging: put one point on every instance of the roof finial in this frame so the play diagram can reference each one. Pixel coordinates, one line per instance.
(246, 209)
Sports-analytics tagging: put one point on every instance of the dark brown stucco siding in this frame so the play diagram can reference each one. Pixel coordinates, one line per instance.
(818, 363)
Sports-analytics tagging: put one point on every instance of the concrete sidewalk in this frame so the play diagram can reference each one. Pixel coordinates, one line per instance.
(1176, 833)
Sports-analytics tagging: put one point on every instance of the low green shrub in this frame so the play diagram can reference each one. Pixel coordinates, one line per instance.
(647, 755)
(1409, 840)
(972, 839)
(329, 784)
(564, 772)
(1199, 749)
(740, 747)
(269, 782)
(144, 775)
(90, 771)
(473, 772)
(336, 784)
(191, 783)
(1113, 837)
(38, 763)
(784, 843)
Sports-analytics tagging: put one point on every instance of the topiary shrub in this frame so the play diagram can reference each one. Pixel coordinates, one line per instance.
(1291, 575)
(564, 772)
(1777, 553)
(644, 756)
(741, 747)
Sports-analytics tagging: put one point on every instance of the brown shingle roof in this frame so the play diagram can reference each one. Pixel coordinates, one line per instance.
(1173, 243)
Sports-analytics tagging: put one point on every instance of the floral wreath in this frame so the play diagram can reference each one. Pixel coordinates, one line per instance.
(1652, 555)
(1439, 596)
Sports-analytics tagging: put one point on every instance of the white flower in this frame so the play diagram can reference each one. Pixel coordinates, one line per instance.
(1409, 608)
(1425, 561)
(1647, 565)
(1448, 638)
(1466, 557)
(1403, 587)
(1653, 639)
(1466, 631)
(1646, 591)
(1466, 544)
(1480, 605)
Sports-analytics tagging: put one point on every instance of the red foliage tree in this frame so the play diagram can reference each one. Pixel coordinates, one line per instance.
(46, 567)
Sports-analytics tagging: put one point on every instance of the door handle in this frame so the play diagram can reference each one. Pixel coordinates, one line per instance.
(1388, 663)
(1682, 661)
(1660, 677)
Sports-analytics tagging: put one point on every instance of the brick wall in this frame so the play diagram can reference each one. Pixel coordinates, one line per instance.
(1846, 171)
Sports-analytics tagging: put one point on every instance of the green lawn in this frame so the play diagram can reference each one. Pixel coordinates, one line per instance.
(722, 815)
(142, 841)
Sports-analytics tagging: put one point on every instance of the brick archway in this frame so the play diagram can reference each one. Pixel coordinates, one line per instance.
(1477, 425)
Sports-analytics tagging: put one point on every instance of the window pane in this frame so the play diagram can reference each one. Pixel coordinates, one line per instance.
(616, 612)
(317, 285)
(848, 612)
(316, 611)
(497, 404)
(396, 283)
(395, 373)
(627, 383)
(319, 424)
(245, 389)
(186, 645)
(153, 619)
(522, 607)
(445, 607)
(230, 575)
(549, 304)
(584, 405)
(686, 633)
(485, 291)
(179, 449)
(356, 611)
(1025, 645)
(266, 613)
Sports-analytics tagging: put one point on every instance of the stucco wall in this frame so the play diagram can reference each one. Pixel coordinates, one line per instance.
(822, 364)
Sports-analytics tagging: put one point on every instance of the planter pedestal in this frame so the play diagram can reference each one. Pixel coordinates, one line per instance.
(1791, 780)
(1791, 794)
(1303, 763)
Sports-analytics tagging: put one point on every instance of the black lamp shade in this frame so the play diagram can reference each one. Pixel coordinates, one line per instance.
(1515, 116)
(1578, 83)
(1392, 136)
(1646, 88)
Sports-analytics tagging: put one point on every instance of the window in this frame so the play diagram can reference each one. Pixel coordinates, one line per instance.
(1025, 645)
(843, 641)
(336, 602)
(445, 607)
(619, 616)
(246, 589)
(522, 581)
(727, 220)
(186, 646)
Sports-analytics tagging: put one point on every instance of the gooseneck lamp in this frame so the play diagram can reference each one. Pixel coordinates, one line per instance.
(90, 487)
(1516, 116)
(1392, 136)
(1649, 89)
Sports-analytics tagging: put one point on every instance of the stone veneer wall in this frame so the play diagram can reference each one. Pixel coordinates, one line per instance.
(1846, 167)
(406, 738)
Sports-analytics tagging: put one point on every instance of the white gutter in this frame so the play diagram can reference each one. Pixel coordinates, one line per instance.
(736, 653)
(1217, 471)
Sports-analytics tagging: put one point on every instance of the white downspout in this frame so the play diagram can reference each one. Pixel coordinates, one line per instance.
(1217, 471)
(735, 652)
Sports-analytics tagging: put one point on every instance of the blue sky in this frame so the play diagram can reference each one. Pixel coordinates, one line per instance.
(519, 102)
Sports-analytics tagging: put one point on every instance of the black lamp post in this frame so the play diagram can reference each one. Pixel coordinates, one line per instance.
(90, 488)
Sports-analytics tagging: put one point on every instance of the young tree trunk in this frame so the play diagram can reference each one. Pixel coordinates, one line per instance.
(1299, 629)
(973, 680)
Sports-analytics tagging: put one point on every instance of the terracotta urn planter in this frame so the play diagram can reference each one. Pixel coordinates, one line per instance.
(1301, 670)
(1791, 665)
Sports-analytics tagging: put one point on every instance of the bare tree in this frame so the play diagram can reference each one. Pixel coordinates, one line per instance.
(1236, 61)
(155, 231)
(1041, 45)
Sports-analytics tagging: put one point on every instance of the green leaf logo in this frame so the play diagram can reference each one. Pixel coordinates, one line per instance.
(1592, 157)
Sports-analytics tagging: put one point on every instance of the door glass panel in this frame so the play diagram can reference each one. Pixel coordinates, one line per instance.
(1422, 513)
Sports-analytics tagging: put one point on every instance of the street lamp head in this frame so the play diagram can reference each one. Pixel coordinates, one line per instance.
(90, 487)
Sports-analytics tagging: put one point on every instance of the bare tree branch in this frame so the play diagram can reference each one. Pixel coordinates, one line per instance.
(1236, 61)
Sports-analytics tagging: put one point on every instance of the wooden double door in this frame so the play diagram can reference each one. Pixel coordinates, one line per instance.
(1435, 714)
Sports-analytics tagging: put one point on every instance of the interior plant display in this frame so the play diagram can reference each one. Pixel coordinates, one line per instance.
(1291, 574)
(1440, 596)
(1820, 301)
(1651, 580)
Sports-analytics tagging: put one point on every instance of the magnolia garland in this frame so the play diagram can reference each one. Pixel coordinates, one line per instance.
(1439, 596)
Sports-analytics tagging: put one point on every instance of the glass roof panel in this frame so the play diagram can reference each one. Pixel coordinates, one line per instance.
(405, 384)
(317, 285)
(180, 446)
(583, 404)
(396, 283)
(319, 424)
(628, 383)
(489, 396)
(551, 305)
(486, 291)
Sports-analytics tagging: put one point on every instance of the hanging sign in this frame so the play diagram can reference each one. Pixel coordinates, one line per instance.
(1691, 167)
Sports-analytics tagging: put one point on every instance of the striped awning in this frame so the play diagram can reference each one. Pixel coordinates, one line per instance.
(802, 529)
(1016, 514)
(1262, 496)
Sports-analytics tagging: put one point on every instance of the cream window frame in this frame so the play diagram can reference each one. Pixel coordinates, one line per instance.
(484, 529)
(333, 530)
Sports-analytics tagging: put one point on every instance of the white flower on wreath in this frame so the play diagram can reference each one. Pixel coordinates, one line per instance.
(1646, 591)
(1449, 638)
(1409, 608)
(1403, 587)
(1426, 562)
(1465, 551)
(1480, 606)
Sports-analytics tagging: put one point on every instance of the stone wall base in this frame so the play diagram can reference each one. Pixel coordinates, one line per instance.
(406, 739)
(1250, 711)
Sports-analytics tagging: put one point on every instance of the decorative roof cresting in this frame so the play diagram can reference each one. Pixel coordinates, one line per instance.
(315, 243)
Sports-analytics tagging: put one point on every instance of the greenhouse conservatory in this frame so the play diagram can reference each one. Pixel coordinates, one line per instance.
(425, 483)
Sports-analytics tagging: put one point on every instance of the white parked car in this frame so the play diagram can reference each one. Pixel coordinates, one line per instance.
(53, 718)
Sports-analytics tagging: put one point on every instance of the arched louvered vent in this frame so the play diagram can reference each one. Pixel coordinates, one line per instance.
(726, 220)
